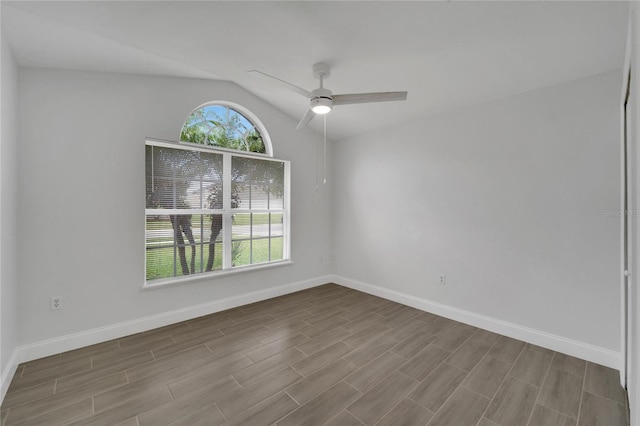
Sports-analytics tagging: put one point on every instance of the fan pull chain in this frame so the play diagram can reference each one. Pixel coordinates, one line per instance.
(316, 157)
(324, 161)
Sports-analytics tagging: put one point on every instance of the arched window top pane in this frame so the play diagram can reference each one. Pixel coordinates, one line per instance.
(223, 126)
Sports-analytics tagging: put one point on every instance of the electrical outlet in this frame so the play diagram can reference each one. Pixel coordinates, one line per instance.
(443, 279)
(56, 303)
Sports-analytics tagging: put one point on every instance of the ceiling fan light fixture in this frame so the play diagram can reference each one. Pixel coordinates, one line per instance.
(321, 105)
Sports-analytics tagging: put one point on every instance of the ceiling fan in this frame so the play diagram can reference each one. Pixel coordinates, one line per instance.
(322, 100)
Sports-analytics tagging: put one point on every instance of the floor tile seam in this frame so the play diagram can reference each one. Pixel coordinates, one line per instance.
(73, 401)
(405, 321)
(475, 367)
(558, 412)
(422, 405)
(239, 331)
(427, 322)
(390, 350)
(381, 379)
(460, 368)
(456, 348)
(321, 334)
(546, 376)
(119, 359)
(173, 397)
(215, 403)
(483, 417)
(51, 379)
(522, 351)
(353, 414)
(583, 376)
(435, 414)
(392, 408)
(602, 397)
(524, 382)
(6, 416)
(468, 339)
(324, 366)
(359, 421)
(122, 402)
(407, 361)
(459, 385)
(300, 373)
(274, 423)
(312, 399)
(584, 369)
(416, 381)
(515, 361)
(285, 391)
(34, 386)
(258, 361)
(491, 346)
(594, 393)
(232, 378)
(477, 393)
(62, 363)
(466, 373)
(366, 325)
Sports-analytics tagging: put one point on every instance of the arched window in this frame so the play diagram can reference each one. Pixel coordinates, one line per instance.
(216, 202)
(224, 125)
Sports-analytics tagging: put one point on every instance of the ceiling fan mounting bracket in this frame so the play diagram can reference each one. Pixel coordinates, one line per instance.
(321, 70)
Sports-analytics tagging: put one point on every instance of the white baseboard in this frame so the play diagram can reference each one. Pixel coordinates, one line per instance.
(556, 343)
(69, 342)
(57, 345)
(8, 373)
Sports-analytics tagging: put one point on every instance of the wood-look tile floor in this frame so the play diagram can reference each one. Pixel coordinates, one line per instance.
(324, 356)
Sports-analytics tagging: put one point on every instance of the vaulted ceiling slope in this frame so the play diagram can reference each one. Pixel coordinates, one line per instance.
(448, 55)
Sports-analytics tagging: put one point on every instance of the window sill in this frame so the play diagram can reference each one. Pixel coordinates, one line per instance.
(169, 282)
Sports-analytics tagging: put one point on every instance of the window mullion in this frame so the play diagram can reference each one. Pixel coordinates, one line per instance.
(227, 215)
(286, 214)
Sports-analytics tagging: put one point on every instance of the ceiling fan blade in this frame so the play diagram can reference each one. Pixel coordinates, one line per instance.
(286, 84)
(308, 116)
(363, 98)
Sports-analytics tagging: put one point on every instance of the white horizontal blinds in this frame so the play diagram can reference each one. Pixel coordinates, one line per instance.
(187, 212)
(259, 184)
(183, 179)
(257, 227)
(181, 185)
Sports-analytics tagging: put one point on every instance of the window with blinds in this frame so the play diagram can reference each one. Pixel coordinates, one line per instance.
(210, 210)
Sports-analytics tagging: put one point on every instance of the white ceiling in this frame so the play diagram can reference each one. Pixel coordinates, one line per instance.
(448, 55)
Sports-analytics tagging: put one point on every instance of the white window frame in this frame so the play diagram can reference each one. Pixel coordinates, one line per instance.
(227, 215)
